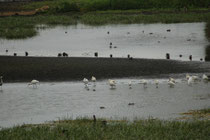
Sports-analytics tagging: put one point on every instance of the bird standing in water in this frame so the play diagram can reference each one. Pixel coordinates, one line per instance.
(34, 83)
(1, 81)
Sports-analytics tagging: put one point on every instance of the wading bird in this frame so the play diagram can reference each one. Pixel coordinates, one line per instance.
(33, 83)
(190, 81)
(172, 79)
(85, 81)
(93, 79)
(156, 83)
(130, 84)
(112, 83)
(171, 83)
(144, 82)
(1, 81)
(205, 78)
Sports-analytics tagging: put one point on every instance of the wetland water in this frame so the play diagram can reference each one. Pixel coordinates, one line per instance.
(138, 40)
(53, 100)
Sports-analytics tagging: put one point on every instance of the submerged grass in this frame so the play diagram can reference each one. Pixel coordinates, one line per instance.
(23, 27)
(88, 129)
(196, 114)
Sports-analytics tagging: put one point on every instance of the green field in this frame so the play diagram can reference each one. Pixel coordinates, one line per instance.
(101, 130)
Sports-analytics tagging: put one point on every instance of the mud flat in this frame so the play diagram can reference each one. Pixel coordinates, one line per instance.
(19, 68)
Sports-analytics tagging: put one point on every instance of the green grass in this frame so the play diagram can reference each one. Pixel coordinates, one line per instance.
(87, 129)
(94, 5)
(19, 27)
(100, 12)
(24, 27)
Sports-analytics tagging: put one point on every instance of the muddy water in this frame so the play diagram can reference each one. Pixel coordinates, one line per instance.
(138, 40)
(56, 100)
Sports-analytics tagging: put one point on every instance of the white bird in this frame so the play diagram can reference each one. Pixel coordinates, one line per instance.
(171, 83)
(187, 76)
(156, 83)
(144, 82)
(34, 83)
(130, 84)
(190, 81)
(172, 79)
(1, 81)
(205, 77)
(93, 79)
(112, 83)
(195, 78)
(85, 81)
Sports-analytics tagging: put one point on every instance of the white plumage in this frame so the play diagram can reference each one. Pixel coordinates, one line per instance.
(144, 82)
(205, 77)
(130, 84)
(172, 80)
(187, 76)
(34, 83)
(112, 83)
(85, 81)
(171, 83)
(156, 83)
(93, 79)
(190, 81)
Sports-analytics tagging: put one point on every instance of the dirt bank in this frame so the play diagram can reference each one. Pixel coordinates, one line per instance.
(75, 68)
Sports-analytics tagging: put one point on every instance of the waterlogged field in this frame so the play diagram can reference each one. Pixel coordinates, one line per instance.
(137, 40)
(22, 104)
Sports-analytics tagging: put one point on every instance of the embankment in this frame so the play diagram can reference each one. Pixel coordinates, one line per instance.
(21, 68)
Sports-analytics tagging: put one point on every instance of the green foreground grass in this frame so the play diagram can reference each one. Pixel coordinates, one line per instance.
(88, 129)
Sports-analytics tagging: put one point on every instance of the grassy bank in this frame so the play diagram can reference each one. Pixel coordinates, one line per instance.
(88, 129)
(99, 12)
(75, 68)
(95, 5)
(19, 27)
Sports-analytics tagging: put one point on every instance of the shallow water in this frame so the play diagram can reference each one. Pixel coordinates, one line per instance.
(57, 100)
(134, 39)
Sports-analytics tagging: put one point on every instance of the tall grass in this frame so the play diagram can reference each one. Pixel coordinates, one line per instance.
(94, 5)
(87, 129)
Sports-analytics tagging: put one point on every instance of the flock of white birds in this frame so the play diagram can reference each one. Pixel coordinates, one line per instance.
(112, 83)
(171, 81)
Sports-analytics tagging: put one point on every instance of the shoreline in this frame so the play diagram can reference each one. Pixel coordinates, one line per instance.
(22, 68)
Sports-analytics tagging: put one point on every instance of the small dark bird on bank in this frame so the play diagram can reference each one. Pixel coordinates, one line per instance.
(59, 54)
(26, 53)
(190, 57)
